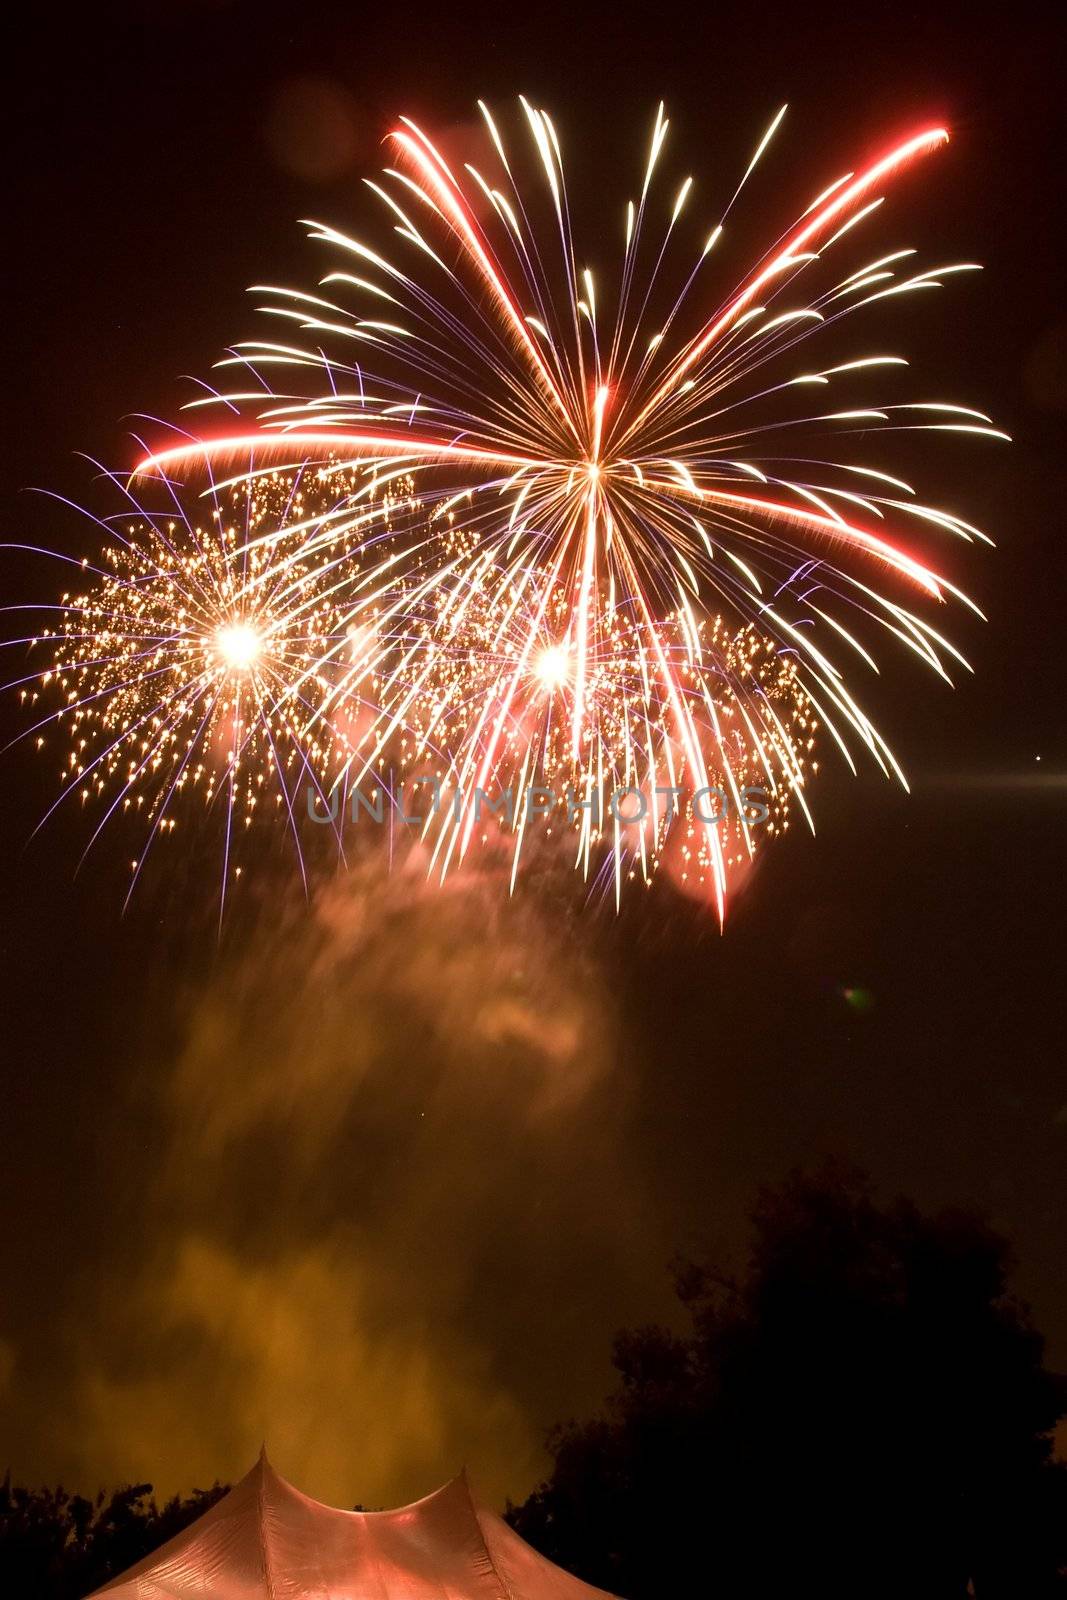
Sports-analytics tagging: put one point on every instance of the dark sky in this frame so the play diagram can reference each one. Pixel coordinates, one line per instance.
(377, 1178)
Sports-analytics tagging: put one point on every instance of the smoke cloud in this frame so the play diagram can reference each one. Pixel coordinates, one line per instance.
(390, 1164)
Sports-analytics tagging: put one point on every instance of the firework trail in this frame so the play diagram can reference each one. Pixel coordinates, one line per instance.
(600, 478)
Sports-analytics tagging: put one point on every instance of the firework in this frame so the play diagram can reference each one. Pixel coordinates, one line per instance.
(627, 788)
(600, 476)
(186, 674)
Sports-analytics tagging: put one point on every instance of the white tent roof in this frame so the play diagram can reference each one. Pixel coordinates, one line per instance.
(267, 1541)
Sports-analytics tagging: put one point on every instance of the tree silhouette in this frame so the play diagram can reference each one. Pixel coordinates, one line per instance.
(864, 1412)
(58, 1546)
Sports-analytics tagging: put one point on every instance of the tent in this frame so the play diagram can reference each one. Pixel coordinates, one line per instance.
(267, 1541)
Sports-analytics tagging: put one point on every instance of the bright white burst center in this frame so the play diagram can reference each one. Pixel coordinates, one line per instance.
(239, 644)
(552, 666)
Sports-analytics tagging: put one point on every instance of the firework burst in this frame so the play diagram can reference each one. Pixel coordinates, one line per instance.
(627, 788)
(186, 672)
(600, 477)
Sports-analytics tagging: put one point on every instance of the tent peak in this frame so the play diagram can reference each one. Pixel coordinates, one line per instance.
(265, 1538)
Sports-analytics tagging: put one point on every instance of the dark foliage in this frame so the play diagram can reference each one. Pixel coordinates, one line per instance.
(863, 1412)
(59, 1546)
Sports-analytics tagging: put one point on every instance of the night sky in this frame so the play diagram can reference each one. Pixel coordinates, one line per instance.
(377, 1178)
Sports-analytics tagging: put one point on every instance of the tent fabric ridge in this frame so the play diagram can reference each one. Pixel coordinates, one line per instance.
(505, 1587)
(262, 1521)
